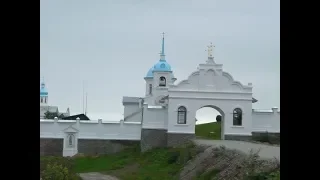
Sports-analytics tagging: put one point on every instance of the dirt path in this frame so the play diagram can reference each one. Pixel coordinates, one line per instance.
(96, 176)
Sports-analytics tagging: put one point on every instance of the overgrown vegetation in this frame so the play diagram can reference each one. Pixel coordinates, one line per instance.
(156, 164)
(222, 163)
(209, 130)
(184, 162)
(57, 168)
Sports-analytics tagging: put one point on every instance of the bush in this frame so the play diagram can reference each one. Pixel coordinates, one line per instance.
(274, 175)
(58, 172)
(218, 118)
(173, 157)
(57, 168)
(65, 162)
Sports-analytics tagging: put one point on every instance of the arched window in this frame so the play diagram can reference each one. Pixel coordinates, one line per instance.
(162, 81)
(41, 100)
(45, 100)
(150, 88)
(71, 140)
(237, 117)
(182, 115)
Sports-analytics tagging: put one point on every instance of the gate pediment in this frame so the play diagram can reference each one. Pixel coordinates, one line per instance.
(211, 80)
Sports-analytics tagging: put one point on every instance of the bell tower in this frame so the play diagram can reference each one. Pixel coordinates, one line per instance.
(43, 94)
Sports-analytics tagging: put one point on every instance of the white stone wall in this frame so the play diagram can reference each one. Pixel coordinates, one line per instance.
(155, 117)
(132, 113)
(266, 120)
(91, 129)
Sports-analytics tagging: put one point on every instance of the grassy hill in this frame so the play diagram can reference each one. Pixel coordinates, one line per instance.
(165, 164)
(209, 130)
(157, 164)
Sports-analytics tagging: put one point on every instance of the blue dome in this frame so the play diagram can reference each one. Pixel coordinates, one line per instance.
(150, 74)
(162, 66)
(43, 90)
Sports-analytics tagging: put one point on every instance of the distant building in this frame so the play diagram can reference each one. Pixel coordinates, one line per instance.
(44, 106)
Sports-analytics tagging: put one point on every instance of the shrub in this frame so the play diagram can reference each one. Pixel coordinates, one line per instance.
(55, 168)
(173, 157)
(57, 172)
(65, 162)
(218, 118)
(274, 175)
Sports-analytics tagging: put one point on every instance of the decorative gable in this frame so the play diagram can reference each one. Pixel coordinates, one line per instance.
(212, 80)
(70, 129)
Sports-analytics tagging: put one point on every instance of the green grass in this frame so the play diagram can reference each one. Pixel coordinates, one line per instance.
(157, 164)
(203, 130)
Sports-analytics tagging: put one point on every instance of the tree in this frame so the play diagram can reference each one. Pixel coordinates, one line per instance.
(50, 115)
(218, 118)
(61, 116)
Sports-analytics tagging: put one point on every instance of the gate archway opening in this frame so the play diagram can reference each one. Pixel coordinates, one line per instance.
(209, 122)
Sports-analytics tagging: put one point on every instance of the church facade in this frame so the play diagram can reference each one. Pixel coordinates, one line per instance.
(165, 116)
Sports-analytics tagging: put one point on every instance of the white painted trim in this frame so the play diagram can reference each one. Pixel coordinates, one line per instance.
(179, 105)
(264, 131)
(239, 134)
(181, 125)
(240, 127)
(51, 137)
(180, 132)
(214, 92)
(47, 120)
(155, 107)
(116, 138)
(125, 122)
(67, 121)
(211, 98)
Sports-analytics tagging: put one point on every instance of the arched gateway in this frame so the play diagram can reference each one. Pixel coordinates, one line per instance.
(169, 109)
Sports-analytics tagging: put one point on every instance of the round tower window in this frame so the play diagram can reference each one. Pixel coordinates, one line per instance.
(162, 66)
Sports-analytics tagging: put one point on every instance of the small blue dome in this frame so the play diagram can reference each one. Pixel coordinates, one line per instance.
(162, 66)
(43, 90)
(150, 74)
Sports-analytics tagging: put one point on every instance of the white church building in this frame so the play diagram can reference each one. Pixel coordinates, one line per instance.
(165, 116)
(44, 103)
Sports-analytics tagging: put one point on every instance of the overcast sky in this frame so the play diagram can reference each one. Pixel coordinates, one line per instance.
(111, 44)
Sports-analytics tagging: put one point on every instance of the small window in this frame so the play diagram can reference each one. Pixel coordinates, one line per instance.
(41, 100)
(162, 66)
(45, 100)
(150, 88)
(237, 117)
(182, 115)
(162, 81)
